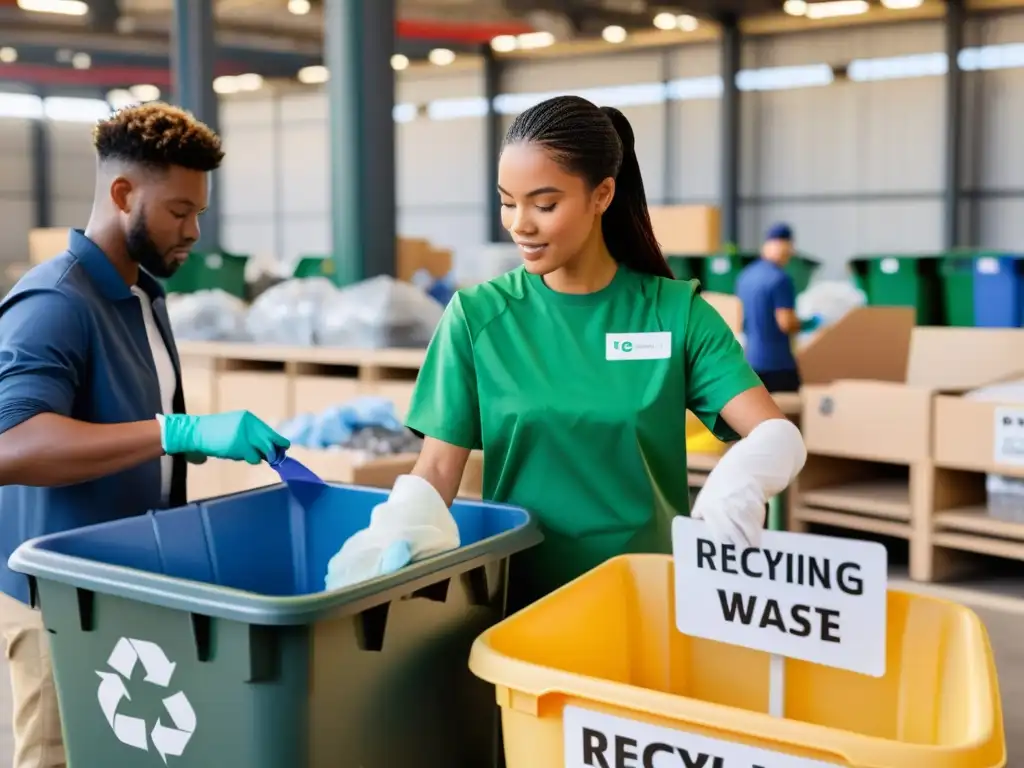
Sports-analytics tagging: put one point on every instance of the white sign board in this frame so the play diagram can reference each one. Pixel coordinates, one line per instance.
(597, 740)
(1009, 436)
(801, 596)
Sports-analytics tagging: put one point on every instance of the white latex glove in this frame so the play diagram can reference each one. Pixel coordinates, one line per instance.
(413, 524)
(758, 467)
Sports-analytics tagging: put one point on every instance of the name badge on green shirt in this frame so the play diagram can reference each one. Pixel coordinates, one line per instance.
(638, 346)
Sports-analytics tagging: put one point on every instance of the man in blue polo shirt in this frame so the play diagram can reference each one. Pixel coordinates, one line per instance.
(769, 317)
(92, 414)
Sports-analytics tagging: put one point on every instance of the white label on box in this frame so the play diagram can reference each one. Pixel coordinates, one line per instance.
(1009, 436)
(597, 740)
(816, 598)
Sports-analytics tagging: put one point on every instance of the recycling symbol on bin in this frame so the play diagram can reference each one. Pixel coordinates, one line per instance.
(168, 738)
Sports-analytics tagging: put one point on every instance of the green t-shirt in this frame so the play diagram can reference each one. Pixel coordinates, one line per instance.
(579, 403)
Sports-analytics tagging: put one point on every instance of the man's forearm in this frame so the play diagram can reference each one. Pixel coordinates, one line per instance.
(50, 450)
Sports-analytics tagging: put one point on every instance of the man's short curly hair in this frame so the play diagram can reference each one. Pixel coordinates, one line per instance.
(157, 135)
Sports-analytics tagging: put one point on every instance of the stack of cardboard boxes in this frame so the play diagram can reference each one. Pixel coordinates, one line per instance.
(894, 449)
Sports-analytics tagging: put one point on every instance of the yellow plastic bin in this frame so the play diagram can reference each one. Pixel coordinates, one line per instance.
(604, 651)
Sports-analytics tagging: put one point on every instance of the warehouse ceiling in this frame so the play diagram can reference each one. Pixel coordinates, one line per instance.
(276, 38)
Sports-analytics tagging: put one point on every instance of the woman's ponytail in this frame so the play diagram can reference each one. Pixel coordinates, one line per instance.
(627, 226)
(598, 143)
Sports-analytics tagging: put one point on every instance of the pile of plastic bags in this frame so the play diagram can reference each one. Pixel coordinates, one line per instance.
(367, 424)
(372, 314)
(207, 316)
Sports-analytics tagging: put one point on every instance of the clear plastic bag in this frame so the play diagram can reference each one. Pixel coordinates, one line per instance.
(207, 316)
(830, 300)
(377, 313)
(289, 312)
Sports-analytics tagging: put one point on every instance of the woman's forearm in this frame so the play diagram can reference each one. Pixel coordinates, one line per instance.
(50, 450)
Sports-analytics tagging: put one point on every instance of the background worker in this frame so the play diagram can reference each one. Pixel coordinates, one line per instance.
(574, 371)
(769, 312)
(92, 422)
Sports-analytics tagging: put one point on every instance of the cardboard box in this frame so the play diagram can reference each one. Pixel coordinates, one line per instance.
(687, 229)
(885, 416)
(972, 434)
(413, 254)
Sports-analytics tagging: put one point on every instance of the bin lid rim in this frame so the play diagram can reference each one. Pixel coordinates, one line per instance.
(252, 607)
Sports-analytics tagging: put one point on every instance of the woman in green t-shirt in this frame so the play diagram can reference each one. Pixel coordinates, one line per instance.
(574, 372)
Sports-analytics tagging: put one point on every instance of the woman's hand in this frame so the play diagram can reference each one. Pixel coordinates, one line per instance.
(761, 465)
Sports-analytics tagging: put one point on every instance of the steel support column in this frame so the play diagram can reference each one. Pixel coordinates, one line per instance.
(41, 162)
(193, 59)
(730, 131)
(359, 39)
(493, 138)
(952, 188)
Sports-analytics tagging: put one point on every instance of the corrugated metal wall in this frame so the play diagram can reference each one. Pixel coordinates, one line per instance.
(855, 165)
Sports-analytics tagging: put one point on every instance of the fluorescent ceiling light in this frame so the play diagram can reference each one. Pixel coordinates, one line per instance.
(504, 43)
(902, 5)
(687, 23)
(399, 61)
(144, 92)
(665, 21)
(836, 9)
(795, 7)
(75, 110)
(441, 57)
(614, 34)
(225, 84)
(532, 40)
(316, 73)
(299, 7)
(62, 7)
(250, 81)
(119, 98)
(24, 105)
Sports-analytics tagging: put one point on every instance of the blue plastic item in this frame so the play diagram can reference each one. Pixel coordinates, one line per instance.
(304, 484)
(292, 470)
(336, 425)
(998, 291)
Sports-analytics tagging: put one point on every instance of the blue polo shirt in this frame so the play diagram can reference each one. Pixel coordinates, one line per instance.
(764, 287)
(73, 342)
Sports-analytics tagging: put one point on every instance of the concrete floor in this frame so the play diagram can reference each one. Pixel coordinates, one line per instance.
(1005, 625)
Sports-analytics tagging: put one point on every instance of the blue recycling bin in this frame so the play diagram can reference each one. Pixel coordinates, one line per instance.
(998, 291)
(203, 632)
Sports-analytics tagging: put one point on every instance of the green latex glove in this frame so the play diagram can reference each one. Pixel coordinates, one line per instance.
(237, 435)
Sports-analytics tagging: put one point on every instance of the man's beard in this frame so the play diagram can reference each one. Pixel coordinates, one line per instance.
(144, 252)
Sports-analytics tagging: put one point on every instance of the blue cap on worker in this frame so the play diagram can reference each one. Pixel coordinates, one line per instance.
(779, 231)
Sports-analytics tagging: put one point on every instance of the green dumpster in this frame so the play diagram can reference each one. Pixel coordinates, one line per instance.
(685, 267)
(720, 270)
(202, 636)
(210, 271)
(801, 268)
(956, 271)
(314, 266)
(902, 280)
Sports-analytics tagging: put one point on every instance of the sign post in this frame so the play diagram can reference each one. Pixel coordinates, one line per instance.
(801, 596)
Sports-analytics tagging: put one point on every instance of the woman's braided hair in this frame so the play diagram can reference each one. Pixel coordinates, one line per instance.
(597, 143)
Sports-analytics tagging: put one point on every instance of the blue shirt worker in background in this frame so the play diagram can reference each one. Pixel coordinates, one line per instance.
(92, 421)
(769, 313)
